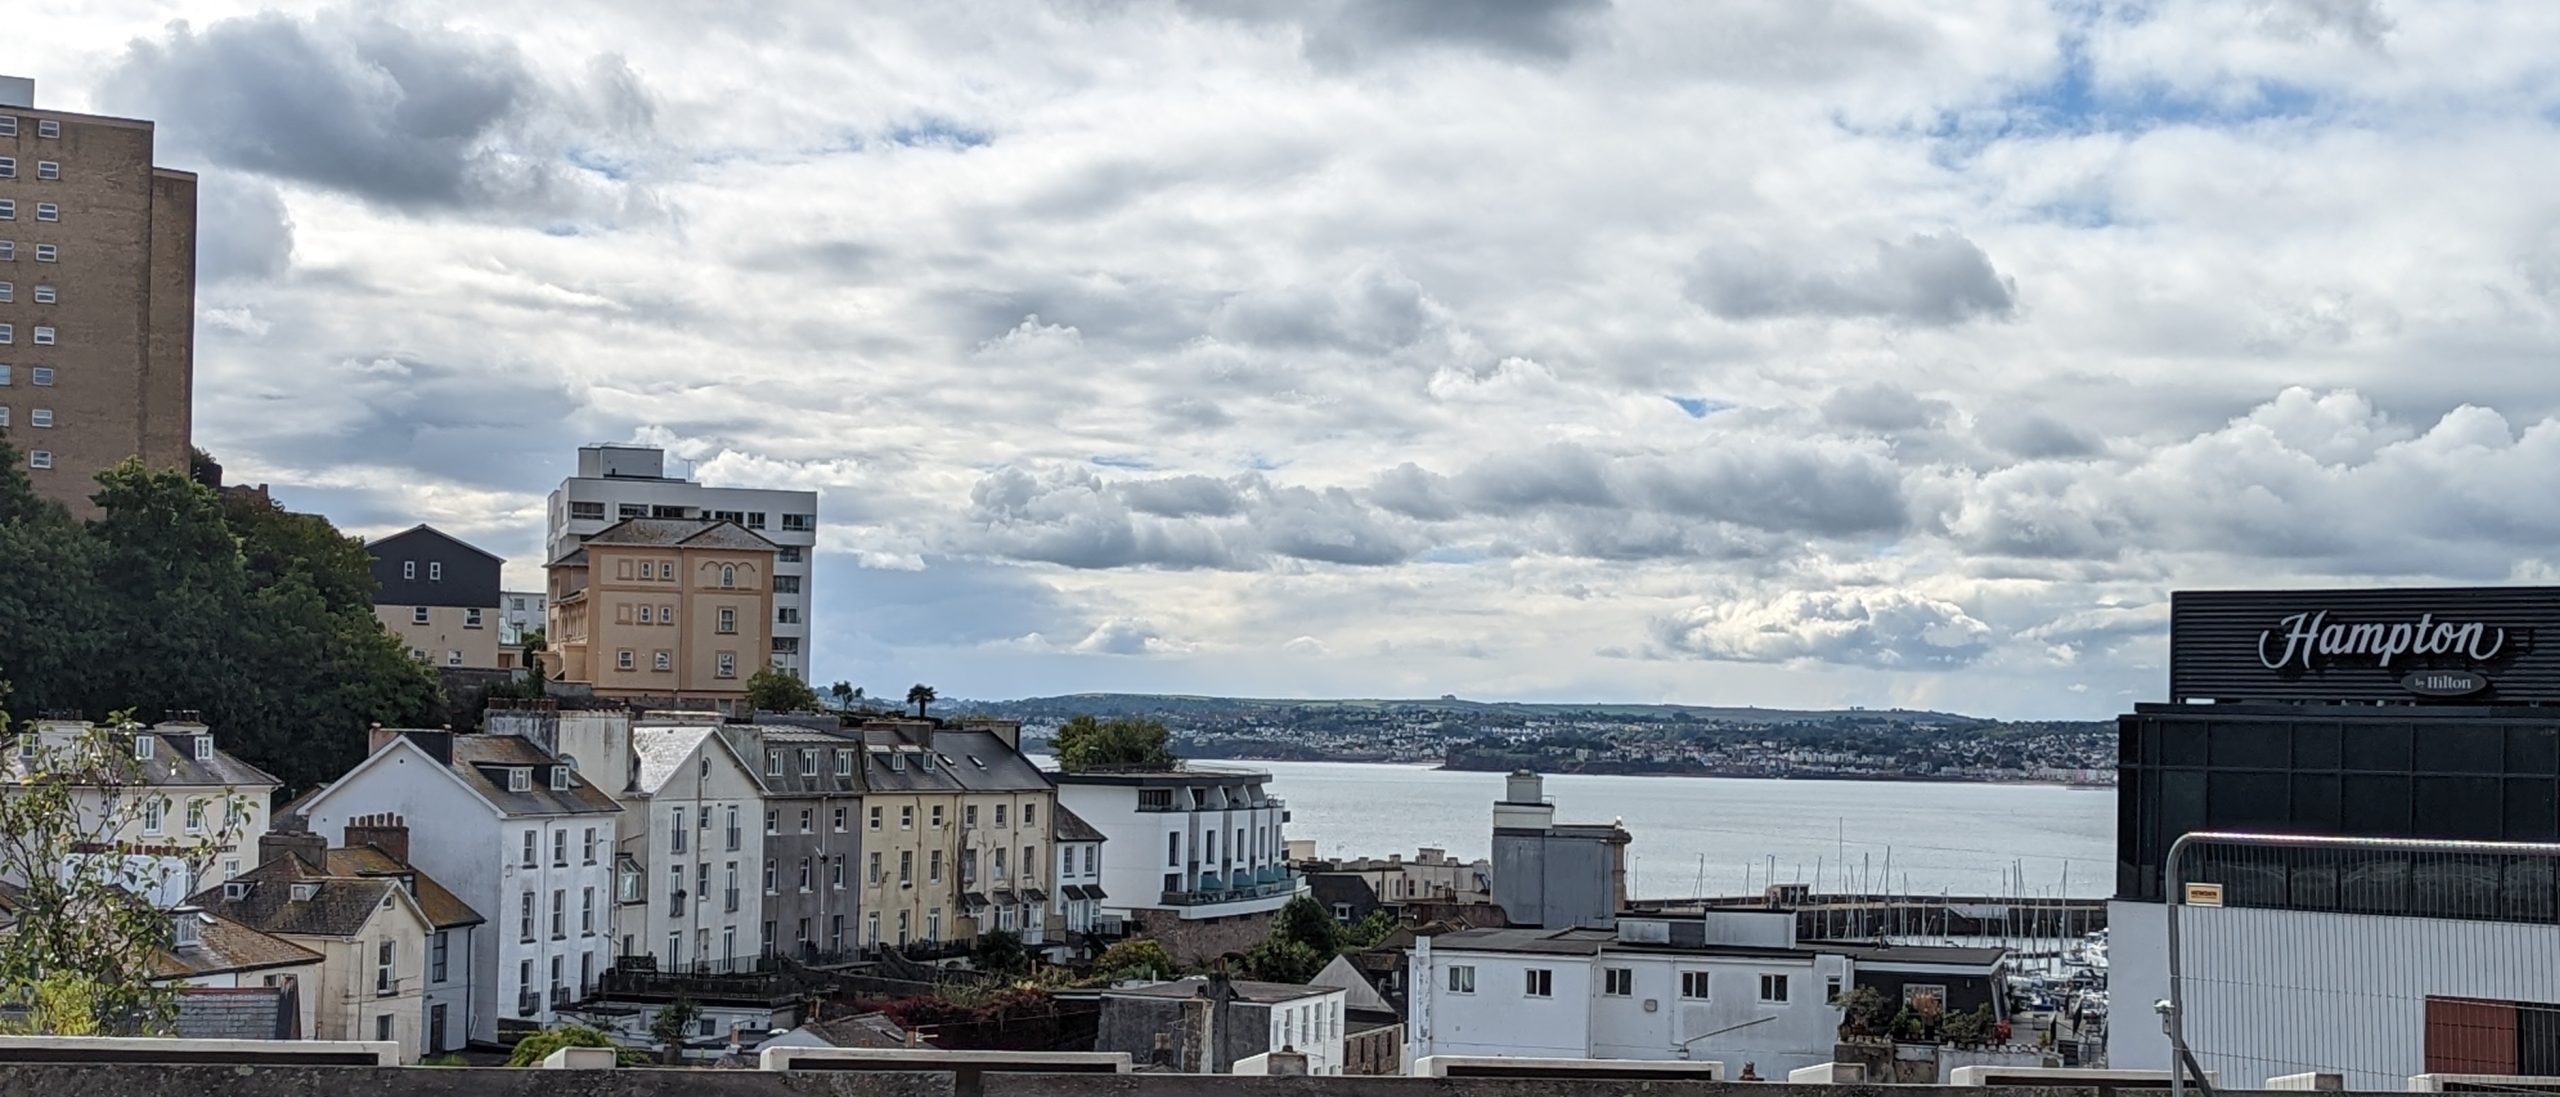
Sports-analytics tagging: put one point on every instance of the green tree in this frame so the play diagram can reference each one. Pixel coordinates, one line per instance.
(1280, 960)
(921, 695)
(843, 692)
(51, 630)
(669, 1028)
(1085, 743)
(1306, 922)
(999, 952)
(777, 689)
(532, 1050)
(1368, 933)
(86, 955)
(1135, 958)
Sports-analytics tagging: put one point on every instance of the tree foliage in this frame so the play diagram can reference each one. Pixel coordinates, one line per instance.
(532, 1050)
(1000, 952)
(88, 950)
(178, 599)
(1307, 922)
(1135, 958)
(1086, 743)
(1281, 960)
(672, 1025)
(777, 689)
(921, 695)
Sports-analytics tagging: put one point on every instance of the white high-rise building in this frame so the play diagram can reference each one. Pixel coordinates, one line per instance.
(615, 482)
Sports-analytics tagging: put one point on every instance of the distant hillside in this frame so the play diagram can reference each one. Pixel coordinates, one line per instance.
(1187, 708)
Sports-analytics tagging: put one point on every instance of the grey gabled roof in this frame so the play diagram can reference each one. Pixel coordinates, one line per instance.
(1067, 826)
(982, 762)
(471, 752)
(431, 531)
(339, 906)
(173, 758)
(237, 1013)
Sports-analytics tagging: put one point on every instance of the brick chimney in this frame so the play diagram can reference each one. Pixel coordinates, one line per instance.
(298, 842)
(385, 832)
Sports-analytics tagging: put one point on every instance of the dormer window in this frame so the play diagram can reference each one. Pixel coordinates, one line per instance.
(844, 763)
(235, 890)
(185, 931)
(559, 778)
(897, 763)
(142, 747)
(204, 748)
(520, 779)
(302, 893)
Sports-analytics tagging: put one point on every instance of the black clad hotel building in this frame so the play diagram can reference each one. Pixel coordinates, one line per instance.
(2388, 713)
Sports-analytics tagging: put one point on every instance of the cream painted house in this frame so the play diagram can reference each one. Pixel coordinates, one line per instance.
(186, 793)
(369, 932)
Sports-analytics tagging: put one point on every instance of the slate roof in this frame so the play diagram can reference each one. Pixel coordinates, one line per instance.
(237, 1013)
(470, 752)
(913, 774)
(444, 910)
(982, 762)
(227, 946)
(1247, 990)
(688, 532)
(662, 749)
(339, 906)
(1591, 942)
(864, 1030)
(1869, 953)
(1067, 826)
(774, 733)
(435, 533)
(173, 757)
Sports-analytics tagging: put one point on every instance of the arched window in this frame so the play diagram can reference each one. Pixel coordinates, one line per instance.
(728, 576)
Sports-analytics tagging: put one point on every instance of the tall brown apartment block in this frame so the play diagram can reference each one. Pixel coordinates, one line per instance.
(664, 611)
(97, 297)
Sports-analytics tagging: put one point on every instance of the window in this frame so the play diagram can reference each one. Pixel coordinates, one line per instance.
(844, 768)
(48, 170)
(728, 577)
(790, 554)
(520, 779)
(590, 843)
(755, 519)
(586, 912)
(435, 571)
(666, 569)
(559, 914)
(622, 659)
(559, 838)
(47, 211)
(44, 336)
(835, 872)
(731, 819)
(768, 884)
(38, 458)
(590, 511)
(772, 768)
(1173, 849)
(933, 866)
(1693, 984)
(439, 956)
(840, 820)
(9, 164)
(1088, 860)
(804, 874)
(728, 664)
(40, 417)
(8, 251)
(907, 817)
(675, 833)
(46, 127)
(806, 815)
(409, 570)
(417, 615)
(1462, 979)
(43, 376)
(471, 618)
(772, 820)
(151, 814)
(8, 209)
(786, 584)
(46, 295)
(529, 860)
(524, 917)
(871, 930)
(8, 125)
(675, 891)
(1773, 988)
(645, 613)
(1618, 982)
(801, 523)
(8, 292)
(875, 818)
(45, 253)
(786, 615)
(665, 660)
(8, 334)
(1540, 983)
(871, 873)
(906, 867)
(630, 510)
(999, 814)
(4, 368)
(382, 1021)
(728, 620)
(1030, 815)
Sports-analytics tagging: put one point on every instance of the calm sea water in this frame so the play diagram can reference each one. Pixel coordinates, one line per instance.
(1695, 834)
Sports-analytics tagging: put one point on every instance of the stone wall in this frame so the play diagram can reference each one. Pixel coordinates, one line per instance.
(1201, 940)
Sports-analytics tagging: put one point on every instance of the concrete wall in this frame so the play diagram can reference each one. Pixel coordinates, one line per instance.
(1555, 878)
(2273, 992)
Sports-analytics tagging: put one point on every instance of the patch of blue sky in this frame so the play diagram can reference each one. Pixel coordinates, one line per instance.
(560, 230)
(1121, 461)
(931, 131)
(1698, 407)
(586, 159)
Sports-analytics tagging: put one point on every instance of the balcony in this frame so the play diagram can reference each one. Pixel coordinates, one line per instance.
(1234, 892)
(528, 1004)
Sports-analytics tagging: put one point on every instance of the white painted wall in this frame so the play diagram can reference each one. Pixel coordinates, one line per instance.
(694, 794)
(456, 837)
(2272, 992)
(1133, 871)
(1312, 1025)
(1733, 1024)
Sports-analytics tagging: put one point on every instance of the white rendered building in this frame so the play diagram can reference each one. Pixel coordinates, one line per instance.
(512, 830)
(691, 882)
(1197, 855)
(615, 482)
(1725, 986)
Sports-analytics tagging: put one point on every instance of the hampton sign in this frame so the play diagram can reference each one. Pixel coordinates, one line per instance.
(2467, 644)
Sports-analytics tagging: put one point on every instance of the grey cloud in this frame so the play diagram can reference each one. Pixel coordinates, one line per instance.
(1180, 496)
(1880, 628)
(242, 229)
(413, 119)
(1829, 489)
(1415, 492)
(473, 423)
(1341, 33)
(1375, 310)
(1121, 636)
(1555, 475)
(2036, 436)
(1818, 487)
(1076, 519)
(1882, 406)
(1936, 279)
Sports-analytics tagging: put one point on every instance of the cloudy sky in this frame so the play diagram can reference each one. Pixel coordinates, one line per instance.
(1790, 352)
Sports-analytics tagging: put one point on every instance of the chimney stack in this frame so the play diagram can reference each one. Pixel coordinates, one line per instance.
(299, 842)
(378, 737)
(385, 832)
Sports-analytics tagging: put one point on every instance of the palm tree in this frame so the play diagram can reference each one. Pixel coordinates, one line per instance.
(920, 695)
(843, 692)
